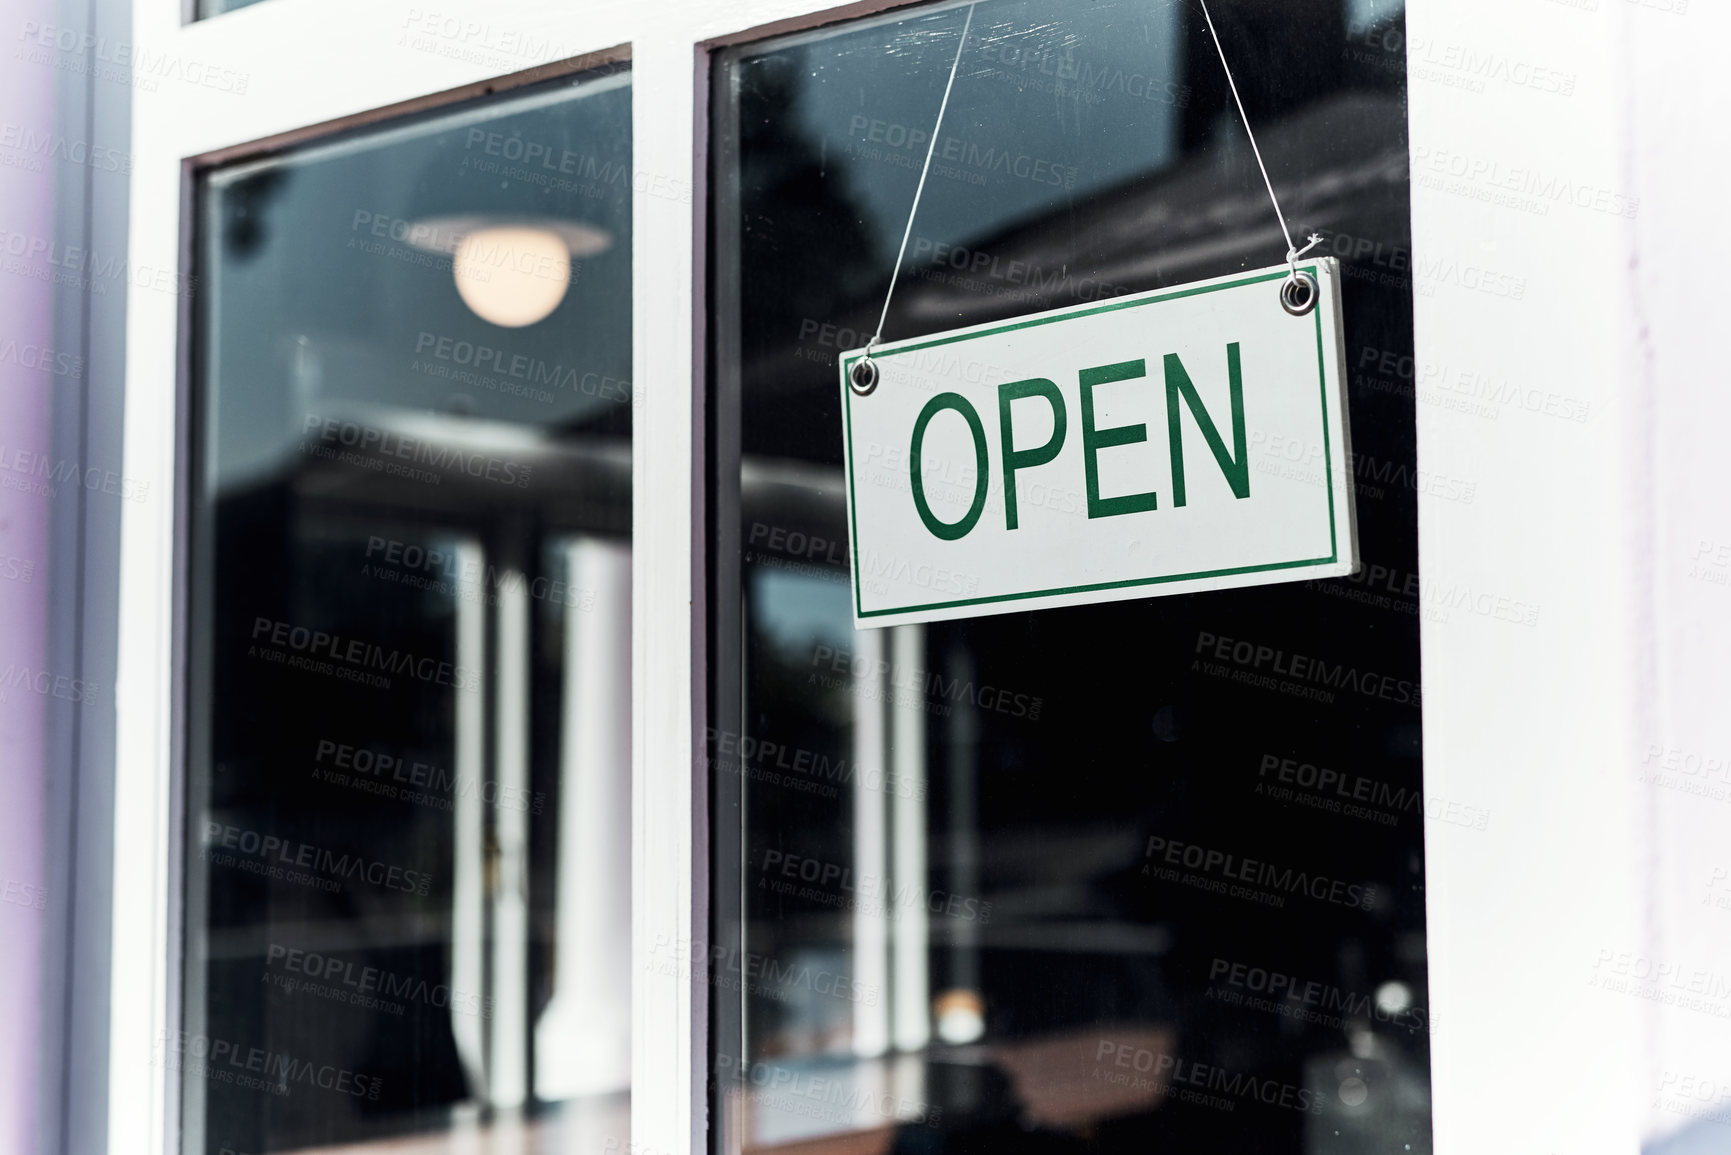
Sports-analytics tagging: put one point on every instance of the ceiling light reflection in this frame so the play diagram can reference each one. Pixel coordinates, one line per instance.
(512, 275)
(510, 271)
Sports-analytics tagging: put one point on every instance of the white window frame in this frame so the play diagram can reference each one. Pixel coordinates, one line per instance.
(308, 63)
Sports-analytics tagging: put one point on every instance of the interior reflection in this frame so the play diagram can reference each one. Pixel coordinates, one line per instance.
(408, 728)
(982, 885)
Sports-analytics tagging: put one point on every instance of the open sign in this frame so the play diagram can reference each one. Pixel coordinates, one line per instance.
(1170, 415)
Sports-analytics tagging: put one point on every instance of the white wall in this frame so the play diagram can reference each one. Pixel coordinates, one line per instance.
(1588, 879)
(1681, 386)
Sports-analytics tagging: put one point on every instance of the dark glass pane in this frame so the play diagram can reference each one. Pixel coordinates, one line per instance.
(408, 788)
(209, 8)
(1110, 877)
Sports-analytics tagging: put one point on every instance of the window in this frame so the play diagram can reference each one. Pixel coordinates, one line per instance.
(408, 736)
(207, 8)
(1109, 875)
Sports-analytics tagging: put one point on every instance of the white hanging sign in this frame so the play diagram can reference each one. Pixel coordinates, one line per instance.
(1187, 439)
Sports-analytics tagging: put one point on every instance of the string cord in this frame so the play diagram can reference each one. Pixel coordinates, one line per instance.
(1293, 252)
(931, 148)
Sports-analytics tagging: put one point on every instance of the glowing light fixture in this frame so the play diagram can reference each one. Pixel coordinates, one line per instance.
(512, 276)
(509, 272)
(1393, 998)
(961, 1016)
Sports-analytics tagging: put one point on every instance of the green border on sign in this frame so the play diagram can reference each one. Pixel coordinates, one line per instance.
(1028, 323)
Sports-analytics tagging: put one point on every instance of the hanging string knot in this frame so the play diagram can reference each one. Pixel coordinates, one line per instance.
(1293, 255)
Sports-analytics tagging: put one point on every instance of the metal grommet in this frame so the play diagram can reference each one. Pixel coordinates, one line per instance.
(1299, 294)
(863, 377)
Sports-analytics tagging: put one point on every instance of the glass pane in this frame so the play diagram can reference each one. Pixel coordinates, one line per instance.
(1109, 877)
(408, 792)
(209, 8)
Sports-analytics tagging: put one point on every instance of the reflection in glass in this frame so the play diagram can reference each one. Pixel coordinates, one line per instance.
(1085, 878)
(208, 8)
(408, 736)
